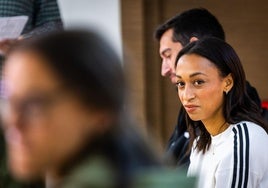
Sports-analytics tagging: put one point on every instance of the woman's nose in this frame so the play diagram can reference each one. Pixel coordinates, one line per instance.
(188, 93)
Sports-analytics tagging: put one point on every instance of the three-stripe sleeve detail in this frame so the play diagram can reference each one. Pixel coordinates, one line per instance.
(240, 156)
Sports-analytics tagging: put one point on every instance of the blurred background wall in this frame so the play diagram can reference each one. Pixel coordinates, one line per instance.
(102, 15)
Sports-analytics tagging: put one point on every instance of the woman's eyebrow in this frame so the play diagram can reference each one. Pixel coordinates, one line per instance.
(192, 75)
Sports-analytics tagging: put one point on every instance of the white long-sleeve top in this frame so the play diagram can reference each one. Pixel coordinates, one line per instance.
(238, 157)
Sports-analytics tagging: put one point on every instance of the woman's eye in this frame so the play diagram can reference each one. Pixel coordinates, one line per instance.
(180, 84)
(198, 82)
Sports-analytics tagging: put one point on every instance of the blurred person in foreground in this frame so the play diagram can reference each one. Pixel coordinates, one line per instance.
(65, 118)
(227, 131)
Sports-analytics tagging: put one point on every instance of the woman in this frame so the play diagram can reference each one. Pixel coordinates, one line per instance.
(63, 97)
(65, 119)
(212, 88)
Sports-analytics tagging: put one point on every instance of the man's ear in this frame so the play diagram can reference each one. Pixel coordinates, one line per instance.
(192, 39)
(228, 83)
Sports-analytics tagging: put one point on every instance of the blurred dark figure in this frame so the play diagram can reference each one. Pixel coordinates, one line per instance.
(65, 118)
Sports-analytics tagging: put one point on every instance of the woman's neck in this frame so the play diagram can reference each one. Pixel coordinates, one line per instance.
(216, 126)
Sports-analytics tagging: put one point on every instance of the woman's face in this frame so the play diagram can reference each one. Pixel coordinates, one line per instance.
(43, 123)
(200, 88)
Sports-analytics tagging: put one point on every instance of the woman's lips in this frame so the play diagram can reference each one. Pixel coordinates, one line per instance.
(190, 108)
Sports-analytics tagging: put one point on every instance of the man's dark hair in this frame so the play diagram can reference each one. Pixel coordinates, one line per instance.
(197, 22)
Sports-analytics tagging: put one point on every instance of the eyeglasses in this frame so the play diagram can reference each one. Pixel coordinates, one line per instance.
(33, 107)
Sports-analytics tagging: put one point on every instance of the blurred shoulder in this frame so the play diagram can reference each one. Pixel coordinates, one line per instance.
(163, 177)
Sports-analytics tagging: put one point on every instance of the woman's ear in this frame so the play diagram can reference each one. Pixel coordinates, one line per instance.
(228, 83)
(192, 39)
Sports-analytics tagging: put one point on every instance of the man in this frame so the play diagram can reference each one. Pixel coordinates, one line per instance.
(173, 35)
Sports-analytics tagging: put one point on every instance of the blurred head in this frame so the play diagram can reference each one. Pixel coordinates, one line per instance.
(211, 83)
(181, 29)
(58, 92)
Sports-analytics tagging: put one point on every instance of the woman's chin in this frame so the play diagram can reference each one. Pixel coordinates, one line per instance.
(194, 117)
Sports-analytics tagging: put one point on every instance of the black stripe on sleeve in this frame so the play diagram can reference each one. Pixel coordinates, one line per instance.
(241, 156)
(247, 155)
(235, 159)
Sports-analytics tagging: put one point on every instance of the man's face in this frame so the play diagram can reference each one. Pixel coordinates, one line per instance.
(168, 51)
